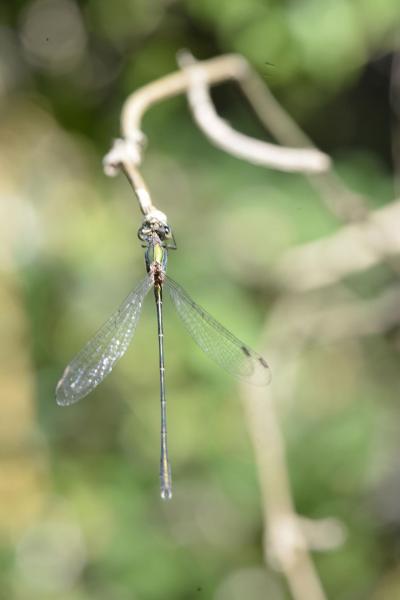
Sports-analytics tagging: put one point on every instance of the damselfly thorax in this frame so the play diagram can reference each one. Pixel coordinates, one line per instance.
(156, 262)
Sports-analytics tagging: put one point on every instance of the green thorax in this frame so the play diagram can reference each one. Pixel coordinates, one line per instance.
(156, 253)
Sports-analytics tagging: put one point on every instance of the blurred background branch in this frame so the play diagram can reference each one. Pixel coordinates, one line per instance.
(352, 249)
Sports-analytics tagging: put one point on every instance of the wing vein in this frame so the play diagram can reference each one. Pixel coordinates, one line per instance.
(98, 357)
(216, 341)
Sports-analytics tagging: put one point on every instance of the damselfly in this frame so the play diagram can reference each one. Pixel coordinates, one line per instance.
(98, 357)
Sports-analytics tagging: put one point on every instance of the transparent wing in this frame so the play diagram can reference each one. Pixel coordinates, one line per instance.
(222, 346)
(97, 359)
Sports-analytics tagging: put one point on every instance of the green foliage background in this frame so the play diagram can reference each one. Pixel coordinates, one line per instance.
(82, 517)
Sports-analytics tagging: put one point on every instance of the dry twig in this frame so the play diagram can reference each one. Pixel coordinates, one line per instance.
(242, 146)
(127, 153)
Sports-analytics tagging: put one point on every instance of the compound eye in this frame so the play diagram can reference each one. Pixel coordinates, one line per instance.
(143, 233)
(163, 231)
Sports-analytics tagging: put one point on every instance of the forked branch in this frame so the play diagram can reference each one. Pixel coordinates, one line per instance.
(194, 80)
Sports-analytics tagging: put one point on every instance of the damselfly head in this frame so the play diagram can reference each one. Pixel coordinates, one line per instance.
(154, 229)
